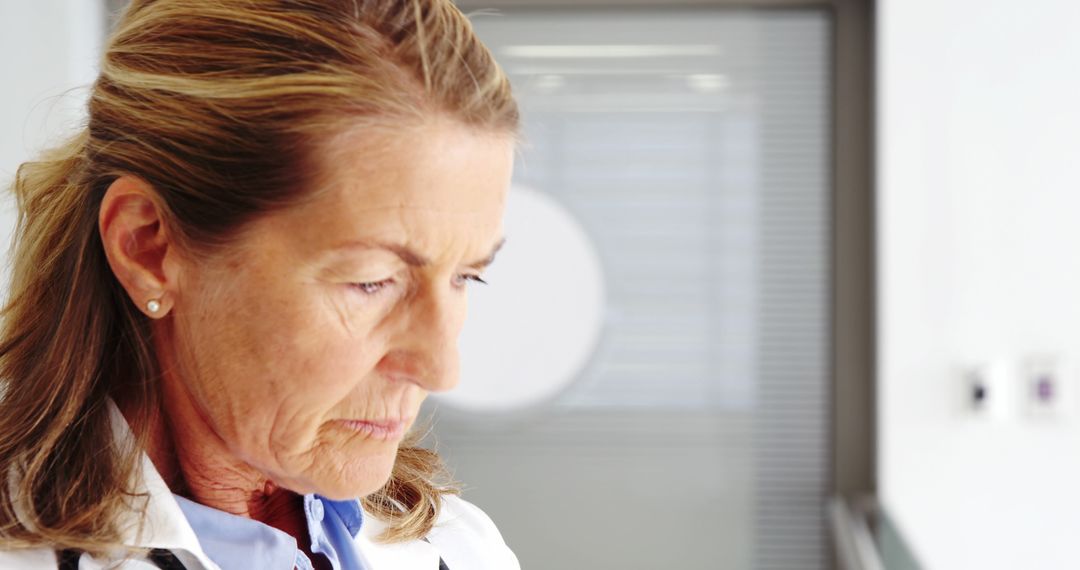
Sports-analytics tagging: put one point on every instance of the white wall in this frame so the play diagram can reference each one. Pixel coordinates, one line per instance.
(979, 217)
(47, 47)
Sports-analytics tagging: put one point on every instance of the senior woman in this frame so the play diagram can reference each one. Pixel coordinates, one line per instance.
(232, 291)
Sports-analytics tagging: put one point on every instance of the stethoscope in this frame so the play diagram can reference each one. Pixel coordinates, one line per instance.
(164, 559)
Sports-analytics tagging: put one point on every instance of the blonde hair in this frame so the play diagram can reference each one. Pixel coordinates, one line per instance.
(222, 107)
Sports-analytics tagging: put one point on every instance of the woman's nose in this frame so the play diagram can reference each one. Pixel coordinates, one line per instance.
(428, 338)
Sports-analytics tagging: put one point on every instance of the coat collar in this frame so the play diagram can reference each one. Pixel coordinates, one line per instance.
(415, 554)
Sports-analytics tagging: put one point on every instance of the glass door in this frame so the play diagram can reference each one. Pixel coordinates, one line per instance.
(692, 146)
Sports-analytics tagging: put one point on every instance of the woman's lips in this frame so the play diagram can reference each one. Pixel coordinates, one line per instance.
(383, 429)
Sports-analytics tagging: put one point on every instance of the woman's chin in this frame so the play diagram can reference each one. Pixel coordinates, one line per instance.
(347, 478)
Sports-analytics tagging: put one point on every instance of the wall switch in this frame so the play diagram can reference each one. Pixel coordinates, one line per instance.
(982, 390)
(1047, 386)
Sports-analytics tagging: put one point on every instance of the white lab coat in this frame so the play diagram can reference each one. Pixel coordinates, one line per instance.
(463, 536)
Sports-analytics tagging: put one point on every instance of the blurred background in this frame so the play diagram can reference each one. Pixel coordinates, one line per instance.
(788, 283)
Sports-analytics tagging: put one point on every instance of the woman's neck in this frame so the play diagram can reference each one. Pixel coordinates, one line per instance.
(196, 464)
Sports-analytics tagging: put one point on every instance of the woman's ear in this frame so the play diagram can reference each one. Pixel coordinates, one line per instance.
(137, 244)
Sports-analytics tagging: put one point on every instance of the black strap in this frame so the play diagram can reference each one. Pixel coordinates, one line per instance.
(68, 559)
(165, 559)
(442, 564)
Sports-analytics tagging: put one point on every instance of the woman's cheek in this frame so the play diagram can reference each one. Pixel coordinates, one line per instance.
(335, 366)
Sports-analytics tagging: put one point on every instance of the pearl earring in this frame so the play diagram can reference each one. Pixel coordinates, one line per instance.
(153, 305)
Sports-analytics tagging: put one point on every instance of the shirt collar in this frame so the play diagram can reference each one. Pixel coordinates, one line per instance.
(351, 513)
(331, 525)
(220, 532)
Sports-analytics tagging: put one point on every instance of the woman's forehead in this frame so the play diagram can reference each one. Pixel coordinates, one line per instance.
(443, 185)
(434, 166)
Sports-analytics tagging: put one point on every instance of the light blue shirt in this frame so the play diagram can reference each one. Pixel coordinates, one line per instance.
(239, 543)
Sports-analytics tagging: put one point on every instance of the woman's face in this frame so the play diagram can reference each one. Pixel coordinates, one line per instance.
(343, 310)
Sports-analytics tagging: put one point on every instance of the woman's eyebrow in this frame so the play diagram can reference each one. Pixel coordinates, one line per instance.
(482, 263)
(413, 258)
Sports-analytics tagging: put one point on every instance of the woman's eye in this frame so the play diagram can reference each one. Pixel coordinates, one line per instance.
(372, 287)
(462, 278)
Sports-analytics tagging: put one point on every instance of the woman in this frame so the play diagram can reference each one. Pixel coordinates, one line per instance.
(231, 292)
